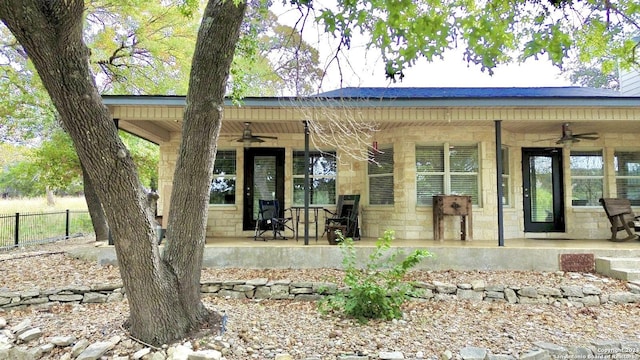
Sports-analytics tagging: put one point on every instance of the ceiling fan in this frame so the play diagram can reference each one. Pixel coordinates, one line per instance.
(248, 138)
(569, 137)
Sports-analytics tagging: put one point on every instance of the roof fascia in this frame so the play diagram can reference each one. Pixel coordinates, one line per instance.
(271, 102)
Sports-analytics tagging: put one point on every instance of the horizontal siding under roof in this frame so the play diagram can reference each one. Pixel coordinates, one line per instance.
(630, 83)
(394, 114)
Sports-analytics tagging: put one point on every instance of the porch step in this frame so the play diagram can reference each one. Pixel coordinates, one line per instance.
(627, 269)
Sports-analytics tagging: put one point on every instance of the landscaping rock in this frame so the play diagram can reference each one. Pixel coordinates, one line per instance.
(62, 341)
(473, 353)
(95, 350)
(391, 355)
(30, 334)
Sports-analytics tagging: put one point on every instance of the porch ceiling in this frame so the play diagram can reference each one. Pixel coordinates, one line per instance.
(159, 131)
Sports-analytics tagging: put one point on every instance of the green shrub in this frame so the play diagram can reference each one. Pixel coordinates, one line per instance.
(377, 290)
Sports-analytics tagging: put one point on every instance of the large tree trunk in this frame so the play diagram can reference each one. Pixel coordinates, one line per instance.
(212, 59)
(163, 294)
(98, 218)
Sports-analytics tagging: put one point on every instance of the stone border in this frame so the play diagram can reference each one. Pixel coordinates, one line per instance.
(69, 294)
(263, 288)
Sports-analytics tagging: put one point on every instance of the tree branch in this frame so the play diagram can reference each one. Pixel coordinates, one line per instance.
(333, 123)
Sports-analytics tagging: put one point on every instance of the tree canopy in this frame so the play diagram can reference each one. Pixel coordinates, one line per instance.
(491, 32)
(137, 47)
(404, 31)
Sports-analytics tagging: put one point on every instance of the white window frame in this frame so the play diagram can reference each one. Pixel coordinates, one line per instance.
(327, 154)
(634, 201)
(226, 177)
(600, 177)
(447, 173)
(506, 176)
(384, 149)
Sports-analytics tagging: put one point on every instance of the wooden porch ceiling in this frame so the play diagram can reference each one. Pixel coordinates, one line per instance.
(159, 131)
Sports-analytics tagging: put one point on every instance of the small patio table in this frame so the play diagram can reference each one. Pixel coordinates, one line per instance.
(316, 211)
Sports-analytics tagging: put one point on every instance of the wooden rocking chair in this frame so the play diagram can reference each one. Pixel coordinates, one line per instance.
(346, 214)
(621, 218)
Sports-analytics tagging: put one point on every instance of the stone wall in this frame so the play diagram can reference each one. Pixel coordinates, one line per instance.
(405, 216)
(15, 342)
(100, 293)
(404, 127)
(262, 288)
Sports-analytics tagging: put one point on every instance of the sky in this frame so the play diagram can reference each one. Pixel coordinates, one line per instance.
(454, 72)
(365, 69)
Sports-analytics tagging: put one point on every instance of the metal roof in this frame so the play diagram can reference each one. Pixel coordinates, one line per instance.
(416, 97)
(470, 92)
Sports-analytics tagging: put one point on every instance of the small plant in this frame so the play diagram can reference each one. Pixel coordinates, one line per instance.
(377, 290)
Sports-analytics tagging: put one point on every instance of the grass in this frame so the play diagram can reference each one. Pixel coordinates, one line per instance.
(39, 222)
(30, 205)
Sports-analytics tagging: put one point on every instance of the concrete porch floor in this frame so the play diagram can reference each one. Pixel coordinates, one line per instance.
(516, 254)
(538, 242)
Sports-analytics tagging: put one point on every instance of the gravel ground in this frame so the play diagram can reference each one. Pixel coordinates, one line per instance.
(262, 329)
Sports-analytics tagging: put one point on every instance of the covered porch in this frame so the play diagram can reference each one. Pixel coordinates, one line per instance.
(502, 147)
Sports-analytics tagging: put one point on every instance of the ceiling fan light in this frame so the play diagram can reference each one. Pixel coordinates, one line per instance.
(247, 143)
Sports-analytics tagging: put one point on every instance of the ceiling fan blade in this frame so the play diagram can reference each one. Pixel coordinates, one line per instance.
(251, 139)
(568, 140)
(586, 137)
(266, 137)
(588, 134)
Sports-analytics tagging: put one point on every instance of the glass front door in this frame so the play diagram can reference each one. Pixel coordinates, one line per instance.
(263, 180)
(543, 191)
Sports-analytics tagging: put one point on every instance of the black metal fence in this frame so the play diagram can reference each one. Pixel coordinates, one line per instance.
(22, 229)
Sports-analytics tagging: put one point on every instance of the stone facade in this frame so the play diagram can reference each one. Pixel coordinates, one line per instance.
(404, 128)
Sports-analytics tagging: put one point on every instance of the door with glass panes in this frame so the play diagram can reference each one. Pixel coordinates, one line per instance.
(543, 190)
(263, 180)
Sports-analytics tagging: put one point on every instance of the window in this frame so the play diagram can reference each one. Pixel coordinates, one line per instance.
(506, 195)
(223, 185)
(627, 167)
(587, 177)
(447, 169)
(322, 177)
(380, 172)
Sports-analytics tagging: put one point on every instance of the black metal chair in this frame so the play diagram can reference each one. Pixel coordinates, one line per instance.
(272, 219)
(346, 214)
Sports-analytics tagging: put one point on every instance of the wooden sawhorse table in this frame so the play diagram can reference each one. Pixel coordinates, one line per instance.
(458, 205)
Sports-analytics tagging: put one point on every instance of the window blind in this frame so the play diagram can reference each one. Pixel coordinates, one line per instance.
(627, 170)
(380, 172)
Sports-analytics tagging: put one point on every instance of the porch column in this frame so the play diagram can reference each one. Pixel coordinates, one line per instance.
(498, 124)
(306, 185)
(166, 168)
